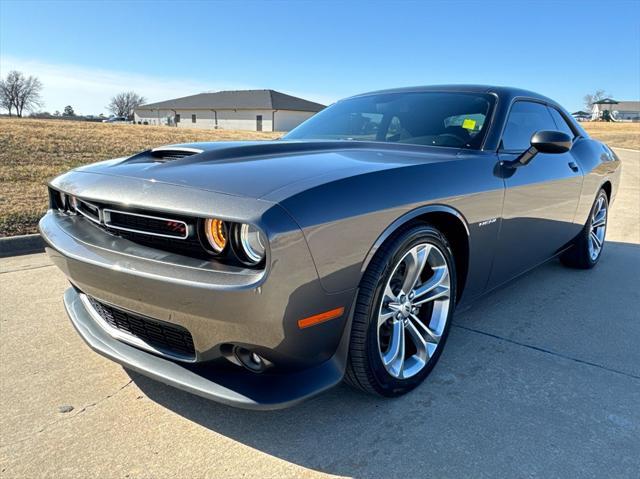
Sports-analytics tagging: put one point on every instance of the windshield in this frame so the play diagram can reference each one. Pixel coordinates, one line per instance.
(451, 119)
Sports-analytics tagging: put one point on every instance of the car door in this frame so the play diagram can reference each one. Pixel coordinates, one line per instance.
(541, 197)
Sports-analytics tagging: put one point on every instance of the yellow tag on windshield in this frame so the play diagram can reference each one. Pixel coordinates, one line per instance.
(469, 124)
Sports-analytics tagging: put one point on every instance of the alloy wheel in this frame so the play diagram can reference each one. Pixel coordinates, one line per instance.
(414, 311)
(598, 228)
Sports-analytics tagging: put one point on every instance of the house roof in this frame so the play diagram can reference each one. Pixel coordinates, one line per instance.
(606, 101)
(237, 99)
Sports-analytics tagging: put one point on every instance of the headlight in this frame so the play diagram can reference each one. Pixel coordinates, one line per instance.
(216, 232)
(251, 243)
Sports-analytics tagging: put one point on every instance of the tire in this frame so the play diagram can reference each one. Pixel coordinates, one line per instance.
(369, 343)
(582, 255)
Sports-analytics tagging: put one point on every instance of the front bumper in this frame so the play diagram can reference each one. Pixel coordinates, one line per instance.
(258, 310)
(228, 385)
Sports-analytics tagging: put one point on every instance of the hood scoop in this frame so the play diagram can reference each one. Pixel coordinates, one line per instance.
(163, 154)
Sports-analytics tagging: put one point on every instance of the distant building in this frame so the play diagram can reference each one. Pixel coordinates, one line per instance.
(618, 110)
(581, 115)
(254, 110)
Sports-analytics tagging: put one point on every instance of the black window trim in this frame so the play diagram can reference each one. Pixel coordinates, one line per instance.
(492, 120)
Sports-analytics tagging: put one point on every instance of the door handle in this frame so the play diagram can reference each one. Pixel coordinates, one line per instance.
(574, 166)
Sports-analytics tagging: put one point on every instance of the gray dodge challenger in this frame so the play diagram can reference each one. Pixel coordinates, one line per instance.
(258, 274)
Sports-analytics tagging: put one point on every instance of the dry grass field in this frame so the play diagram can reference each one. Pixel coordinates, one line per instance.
(622, 135)
(33, 151)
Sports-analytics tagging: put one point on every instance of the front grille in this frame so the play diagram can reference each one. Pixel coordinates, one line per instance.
(169, 232)
(140, 223)
(165, 337)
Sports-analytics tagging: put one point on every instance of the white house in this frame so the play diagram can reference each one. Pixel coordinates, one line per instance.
(255, 110)
(618, 110)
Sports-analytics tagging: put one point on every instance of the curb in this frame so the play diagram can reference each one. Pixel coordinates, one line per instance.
(19, 245)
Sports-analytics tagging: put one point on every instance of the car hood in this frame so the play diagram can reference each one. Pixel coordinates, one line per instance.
(265, 169)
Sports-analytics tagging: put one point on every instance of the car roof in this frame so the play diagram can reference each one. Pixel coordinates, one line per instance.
(503, 92)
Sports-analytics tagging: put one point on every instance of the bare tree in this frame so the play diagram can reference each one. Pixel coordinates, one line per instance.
(124, 103)
(591, 98)
(10, 88)
(20, 93)
(29, 96)
(6, 98)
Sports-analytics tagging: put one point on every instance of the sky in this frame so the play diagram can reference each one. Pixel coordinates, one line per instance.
(85, 52)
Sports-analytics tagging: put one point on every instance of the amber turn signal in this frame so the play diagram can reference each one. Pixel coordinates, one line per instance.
(216, 232)
(320, 318)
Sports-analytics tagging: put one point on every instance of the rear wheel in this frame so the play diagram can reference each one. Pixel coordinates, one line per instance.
(403, 312)
(587, 248)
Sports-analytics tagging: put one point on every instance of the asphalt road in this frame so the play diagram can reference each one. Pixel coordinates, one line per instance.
(539, 379)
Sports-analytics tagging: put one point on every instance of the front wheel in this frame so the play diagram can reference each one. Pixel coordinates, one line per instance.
(587, 247)
(403, 312)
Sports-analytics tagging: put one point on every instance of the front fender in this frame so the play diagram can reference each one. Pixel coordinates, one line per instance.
(405, 219)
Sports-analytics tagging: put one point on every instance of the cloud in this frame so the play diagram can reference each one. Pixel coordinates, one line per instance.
(89, 90)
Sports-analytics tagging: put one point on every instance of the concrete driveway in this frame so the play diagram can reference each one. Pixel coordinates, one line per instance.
(539, 379)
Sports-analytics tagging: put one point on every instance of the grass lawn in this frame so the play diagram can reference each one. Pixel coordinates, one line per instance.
(34, 151)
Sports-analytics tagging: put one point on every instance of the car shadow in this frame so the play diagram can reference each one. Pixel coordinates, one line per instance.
(519, 390)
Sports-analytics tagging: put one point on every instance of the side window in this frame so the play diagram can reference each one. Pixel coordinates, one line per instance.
(525, 118)
(193, 118)
(561, 123)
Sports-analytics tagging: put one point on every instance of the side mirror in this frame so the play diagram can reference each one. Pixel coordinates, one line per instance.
(544, 141)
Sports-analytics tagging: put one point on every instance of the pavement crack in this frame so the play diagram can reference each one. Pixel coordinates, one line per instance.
(89, 406)
(26, 268)
(546, 351)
